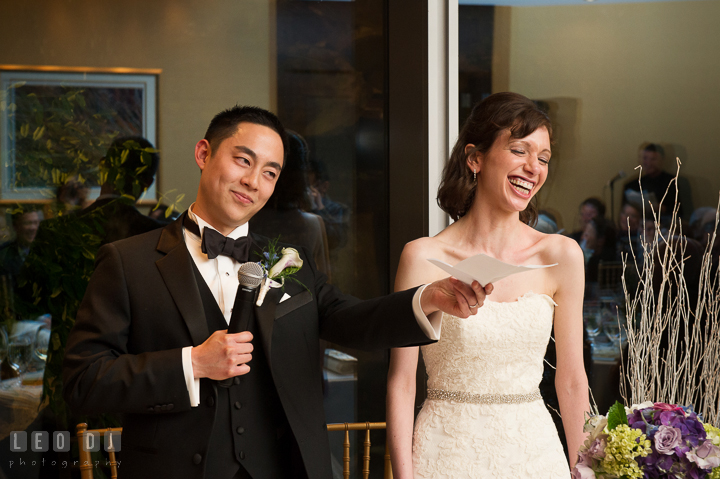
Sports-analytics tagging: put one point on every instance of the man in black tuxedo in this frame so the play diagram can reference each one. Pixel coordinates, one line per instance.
(150, 340)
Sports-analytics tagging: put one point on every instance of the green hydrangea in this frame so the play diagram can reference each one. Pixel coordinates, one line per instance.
(624, 444)
(713, 434)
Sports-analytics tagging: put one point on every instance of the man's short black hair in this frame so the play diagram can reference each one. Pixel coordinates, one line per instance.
(131, 163)
(225, 124)
(291, 187)
(21, 210)
(655, 148)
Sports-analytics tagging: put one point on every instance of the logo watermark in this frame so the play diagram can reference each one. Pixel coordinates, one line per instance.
(59, 441)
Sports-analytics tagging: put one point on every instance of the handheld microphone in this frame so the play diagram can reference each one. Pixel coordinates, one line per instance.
(621, 174)
(250, 276)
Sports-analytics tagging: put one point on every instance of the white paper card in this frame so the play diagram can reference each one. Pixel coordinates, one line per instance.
(483, 269)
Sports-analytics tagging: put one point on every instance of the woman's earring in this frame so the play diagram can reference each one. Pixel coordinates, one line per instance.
(474, 176)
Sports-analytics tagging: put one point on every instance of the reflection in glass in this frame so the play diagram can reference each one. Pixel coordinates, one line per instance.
(332, 72)
(20, 353)
(3, 344)
(42, 341)
(286, 214)
(592, 318)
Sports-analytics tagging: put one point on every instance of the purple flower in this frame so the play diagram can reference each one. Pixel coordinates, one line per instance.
(706, 456)
(641, 419)
(665, 463)
(667, 438)
(597, 449)
(678, 440)
(583, 469)
(670, 418)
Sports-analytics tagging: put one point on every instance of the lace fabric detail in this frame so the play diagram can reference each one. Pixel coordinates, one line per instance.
(498, 351)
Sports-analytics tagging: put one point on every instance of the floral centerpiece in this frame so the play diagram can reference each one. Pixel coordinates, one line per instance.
(649, 440)
(673, 356)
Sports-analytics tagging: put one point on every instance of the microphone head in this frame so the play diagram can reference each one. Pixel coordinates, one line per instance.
(250, 275)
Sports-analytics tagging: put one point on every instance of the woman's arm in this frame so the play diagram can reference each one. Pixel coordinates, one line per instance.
(413, 271)
(402, 372)
(570, 380)
(401, 409)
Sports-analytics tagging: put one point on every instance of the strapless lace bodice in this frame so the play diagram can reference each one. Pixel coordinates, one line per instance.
(499, 353)
(498, 350)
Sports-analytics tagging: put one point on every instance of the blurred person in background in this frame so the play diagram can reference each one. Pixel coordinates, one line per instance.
(590, 208)
(25, 222)
(656, 183)
(72, 195)
(336, 215)
(546, 223)
(285, 213)
(597, 243)
(628, 227)
(702, 224)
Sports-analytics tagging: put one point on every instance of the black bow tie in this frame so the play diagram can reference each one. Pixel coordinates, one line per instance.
(214, 243)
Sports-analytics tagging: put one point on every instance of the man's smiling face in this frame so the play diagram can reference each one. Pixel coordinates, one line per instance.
(239, 176)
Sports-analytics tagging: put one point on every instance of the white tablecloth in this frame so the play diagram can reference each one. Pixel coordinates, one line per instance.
(19, 404)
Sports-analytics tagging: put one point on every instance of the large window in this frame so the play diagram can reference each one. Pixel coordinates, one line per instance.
(625, 83)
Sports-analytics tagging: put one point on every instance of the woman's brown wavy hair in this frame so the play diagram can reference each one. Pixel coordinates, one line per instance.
(498, 112)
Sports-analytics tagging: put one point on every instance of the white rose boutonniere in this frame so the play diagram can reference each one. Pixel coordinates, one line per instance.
(277, 267)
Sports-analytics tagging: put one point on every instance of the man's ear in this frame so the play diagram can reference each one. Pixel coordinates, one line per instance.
(202, 153)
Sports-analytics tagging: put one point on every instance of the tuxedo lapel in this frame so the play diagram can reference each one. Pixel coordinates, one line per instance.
(271, 308)
(265, 316)
(301, 298)
(176, 270)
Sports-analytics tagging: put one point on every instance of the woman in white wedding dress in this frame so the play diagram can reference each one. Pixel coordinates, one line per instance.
(484, 417)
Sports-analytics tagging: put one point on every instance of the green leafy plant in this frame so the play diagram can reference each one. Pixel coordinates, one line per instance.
(57, 134)
(175, 205)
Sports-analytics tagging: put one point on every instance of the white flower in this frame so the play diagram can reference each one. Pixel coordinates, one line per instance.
(595, 425)
(642, 405)
(265, 286)
(290, 259)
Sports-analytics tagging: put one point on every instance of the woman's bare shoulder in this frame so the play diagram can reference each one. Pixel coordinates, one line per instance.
(414, 269)
(422, 246)
(562, 250)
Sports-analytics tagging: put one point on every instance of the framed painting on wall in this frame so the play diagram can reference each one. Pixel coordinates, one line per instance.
(56, 124)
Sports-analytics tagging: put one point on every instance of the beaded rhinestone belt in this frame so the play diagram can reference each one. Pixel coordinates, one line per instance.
(459, 396)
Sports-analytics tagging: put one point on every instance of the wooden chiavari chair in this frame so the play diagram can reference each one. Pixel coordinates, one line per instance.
(610, 276)
(86, 464)
(367, 427)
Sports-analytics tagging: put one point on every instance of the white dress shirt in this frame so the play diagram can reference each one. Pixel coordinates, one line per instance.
(221, 276)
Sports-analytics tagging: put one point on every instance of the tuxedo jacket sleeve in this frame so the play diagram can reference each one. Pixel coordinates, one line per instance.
(379, 323)
(105, 370)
